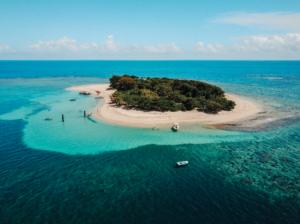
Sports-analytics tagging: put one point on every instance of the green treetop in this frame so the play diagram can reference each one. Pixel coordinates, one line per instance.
(168, 94)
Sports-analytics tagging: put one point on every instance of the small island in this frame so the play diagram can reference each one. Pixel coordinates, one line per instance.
(161, 102)
(164, 94)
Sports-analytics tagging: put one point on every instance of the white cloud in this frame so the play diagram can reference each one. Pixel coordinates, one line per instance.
(84, 46)
(276, 46)
(109, 46)
(159, 48)
(277, 43)
(54, 46)
(214, 49)
(271, 20)
(65, 44)
(5, 49)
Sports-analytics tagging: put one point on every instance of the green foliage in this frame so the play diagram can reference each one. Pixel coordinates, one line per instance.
(148, 93)
(114, 80)
(168, 94)
(125, 83)
(191, 103)
(214, 107)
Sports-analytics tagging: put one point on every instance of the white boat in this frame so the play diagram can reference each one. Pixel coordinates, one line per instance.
(176, 126)
(48, 118)
(182, 163)
(99, 97)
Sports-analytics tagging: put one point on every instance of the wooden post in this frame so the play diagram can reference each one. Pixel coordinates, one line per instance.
(84, 113)
(63, 119)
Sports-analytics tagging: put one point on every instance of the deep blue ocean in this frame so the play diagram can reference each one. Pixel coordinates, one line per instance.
(87, 171)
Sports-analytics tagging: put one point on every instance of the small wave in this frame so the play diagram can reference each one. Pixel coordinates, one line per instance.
(269, 78)
(272, 78)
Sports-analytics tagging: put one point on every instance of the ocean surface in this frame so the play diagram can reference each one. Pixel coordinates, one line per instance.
(87, 171)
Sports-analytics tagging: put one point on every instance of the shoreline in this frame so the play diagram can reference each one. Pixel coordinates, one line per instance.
(134, 117)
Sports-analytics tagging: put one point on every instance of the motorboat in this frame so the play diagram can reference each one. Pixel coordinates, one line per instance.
(99, 97)
(175, 126)
(90, 114)
(82, 92)
(182, 163)
(48, 118)
(72, 99)
(86, 93)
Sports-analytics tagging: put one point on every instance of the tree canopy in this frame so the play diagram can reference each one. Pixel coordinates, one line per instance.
(168, 94)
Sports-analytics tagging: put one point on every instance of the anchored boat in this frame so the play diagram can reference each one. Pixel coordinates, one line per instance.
(182, 163)
(99, 97)
(48, 118)
(72, 99)
(175, 126)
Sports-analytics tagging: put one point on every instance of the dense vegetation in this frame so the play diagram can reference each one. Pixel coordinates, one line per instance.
(168, 94)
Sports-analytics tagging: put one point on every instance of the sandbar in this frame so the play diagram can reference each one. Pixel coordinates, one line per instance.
(134, 117)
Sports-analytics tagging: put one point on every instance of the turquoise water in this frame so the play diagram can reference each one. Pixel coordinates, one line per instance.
(79, 135)
(83, 170)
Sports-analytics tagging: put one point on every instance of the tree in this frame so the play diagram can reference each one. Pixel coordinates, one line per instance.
(112, 98)
(164, 90)
(229, 105)
(201, 102)
(163, 104)
(213, 107)
(191, 103)
(119, 100)
(183, 107)
(145, 103)
(125, 83)
(127, 99)
(175, 96)
(114, 80)
(148, 93)
(168, 94)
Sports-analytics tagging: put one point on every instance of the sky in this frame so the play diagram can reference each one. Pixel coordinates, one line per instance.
(149, 30)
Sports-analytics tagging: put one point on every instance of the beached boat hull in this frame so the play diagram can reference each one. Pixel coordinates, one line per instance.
(175, 127)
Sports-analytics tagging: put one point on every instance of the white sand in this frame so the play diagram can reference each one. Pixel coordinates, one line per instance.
(139, 118)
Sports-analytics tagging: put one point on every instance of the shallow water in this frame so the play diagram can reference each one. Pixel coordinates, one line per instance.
(89, 171)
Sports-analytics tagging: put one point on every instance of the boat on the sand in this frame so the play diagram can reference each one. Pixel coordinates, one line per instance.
(182, 163)
(99, 97)
(175, 126)
(85, 93)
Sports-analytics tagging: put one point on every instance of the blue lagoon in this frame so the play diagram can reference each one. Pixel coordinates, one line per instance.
(87, 169)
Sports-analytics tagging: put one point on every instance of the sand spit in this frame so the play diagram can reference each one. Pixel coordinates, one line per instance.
(122, 115)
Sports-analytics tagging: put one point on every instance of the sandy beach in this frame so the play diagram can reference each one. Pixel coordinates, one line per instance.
(140, 118)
